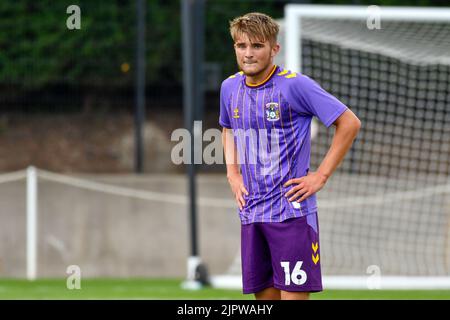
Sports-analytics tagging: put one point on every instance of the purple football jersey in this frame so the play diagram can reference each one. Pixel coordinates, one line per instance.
(271, 124)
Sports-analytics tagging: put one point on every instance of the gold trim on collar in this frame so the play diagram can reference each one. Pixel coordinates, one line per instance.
(264, 81)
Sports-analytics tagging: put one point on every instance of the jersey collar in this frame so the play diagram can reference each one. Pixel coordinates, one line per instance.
(259, 84)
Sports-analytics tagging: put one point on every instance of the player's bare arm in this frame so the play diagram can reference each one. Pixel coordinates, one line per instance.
(347, 128)
(233, 172)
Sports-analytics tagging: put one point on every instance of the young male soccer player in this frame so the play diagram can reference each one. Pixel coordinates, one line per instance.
(266, 114)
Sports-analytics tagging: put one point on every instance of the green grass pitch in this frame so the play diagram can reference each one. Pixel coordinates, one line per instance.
(170, 289)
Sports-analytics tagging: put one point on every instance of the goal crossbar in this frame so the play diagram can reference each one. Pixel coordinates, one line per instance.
(294, 13)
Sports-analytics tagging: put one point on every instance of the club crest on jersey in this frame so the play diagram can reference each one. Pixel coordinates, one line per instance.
(272, 111)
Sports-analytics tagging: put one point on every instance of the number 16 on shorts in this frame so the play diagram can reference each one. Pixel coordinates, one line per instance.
(298, 276)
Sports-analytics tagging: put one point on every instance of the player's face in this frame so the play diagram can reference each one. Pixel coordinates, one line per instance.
(254, 57)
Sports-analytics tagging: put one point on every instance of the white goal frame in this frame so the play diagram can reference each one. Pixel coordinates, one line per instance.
(293, 16)
(294, 12)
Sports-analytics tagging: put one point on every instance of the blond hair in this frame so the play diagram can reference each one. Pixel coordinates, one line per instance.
(257, 26)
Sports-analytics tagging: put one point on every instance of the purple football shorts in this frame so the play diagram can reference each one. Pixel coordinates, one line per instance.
(284, 255)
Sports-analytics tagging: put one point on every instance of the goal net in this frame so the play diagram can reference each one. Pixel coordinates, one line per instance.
(386, 210)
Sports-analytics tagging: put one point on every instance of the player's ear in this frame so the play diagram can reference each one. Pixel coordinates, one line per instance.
(275, 49)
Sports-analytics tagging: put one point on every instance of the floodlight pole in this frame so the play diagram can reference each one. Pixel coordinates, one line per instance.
(192, 28)
(139, 113)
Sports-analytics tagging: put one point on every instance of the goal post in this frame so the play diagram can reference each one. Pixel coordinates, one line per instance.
(295, 12)
(415, 38)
